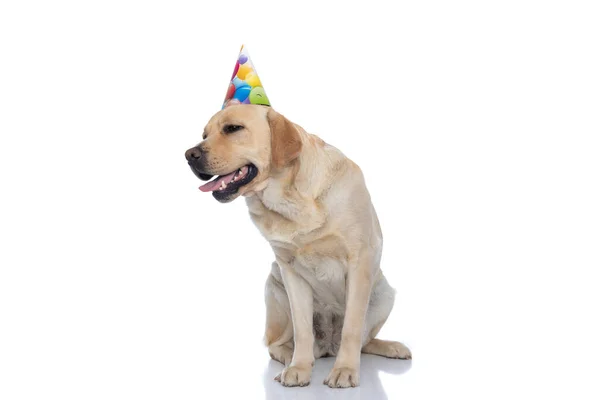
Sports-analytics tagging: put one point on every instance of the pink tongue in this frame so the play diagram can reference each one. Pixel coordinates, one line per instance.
(214, 185)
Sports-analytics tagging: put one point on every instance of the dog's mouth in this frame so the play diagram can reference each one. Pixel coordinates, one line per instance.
(224, 186)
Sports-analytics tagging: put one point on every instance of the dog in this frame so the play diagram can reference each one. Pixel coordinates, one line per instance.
(325, 294)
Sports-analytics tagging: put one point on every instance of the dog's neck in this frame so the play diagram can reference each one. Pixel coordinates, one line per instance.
(293, 191)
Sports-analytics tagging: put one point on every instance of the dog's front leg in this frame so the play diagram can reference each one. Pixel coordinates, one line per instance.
(301, 304)
(345, 372)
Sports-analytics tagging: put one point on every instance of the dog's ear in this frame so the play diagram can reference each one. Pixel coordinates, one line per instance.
(285, 139)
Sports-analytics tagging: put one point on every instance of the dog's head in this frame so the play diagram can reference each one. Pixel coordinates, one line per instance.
(243, 145)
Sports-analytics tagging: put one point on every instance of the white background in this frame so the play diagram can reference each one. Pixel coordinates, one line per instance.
(476, 125)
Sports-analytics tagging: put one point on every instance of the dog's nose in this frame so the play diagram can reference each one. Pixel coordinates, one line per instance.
(193, 154)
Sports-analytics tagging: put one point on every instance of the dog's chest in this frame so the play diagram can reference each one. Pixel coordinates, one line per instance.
(319, 256)
(283, 222)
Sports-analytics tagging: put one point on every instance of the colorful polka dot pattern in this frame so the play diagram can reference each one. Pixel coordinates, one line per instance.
(245, 86)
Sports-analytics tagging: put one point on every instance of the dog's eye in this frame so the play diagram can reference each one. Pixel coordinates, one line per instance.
(232, 128)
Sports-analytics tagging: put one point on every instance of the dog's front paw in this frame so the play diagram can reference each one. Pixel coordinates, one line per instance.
(342, 377)
(294, 376)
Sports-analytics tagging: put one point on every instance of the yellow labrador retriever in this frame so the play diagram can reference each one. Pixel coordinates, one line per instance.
(325, 294)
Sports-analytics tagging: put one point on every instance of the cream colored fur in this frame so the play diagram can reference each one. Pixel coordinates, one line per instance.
(325, 294)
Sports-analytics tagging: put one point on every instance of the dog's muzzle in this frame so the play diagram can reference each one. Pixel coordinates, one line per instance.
(196, 157)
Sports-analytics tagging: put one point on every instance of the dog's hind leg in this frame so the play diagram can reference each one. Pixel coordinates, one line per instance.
(279, 331)
(282, 353)
(387, 348)
(380, 306)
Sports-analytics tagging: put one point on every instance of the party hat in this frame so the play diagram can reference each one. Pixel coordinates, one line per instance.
(245, 86)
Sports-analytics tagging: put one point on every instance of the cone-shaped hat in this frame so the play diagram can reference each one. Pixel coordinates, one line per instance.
(245, 86)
